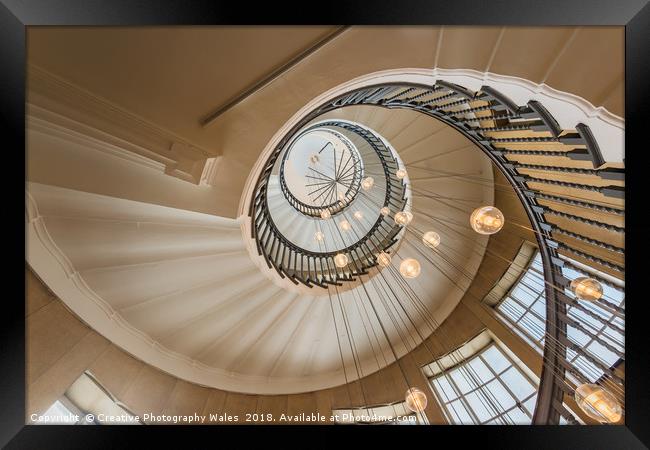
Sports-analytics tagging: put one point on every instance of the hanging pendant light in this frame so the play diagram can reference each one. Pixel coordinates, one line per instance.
(403, 218)
(586, 288)
(401, 173)
(431, 239)
(345, 225)
(325, 214)
(598, 403)
(384, 211)
(314, 159)
(487, 220)
(410, 268)
(358, 215)
(367, 183)
(383, 259)
(416, 400)
(319, 236)
(341, 260)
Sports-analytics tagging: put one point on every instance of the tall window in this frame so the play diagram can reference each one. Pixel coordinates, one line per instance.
(601, 336)
(87, 402)
(487, 388)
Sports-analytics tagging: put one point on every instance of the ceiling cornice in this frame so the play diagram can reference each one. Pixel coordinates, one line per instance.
(62, 103)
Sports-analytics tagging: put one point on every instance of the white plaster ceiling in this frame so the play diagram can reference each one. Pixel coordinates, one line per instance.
(179, 290)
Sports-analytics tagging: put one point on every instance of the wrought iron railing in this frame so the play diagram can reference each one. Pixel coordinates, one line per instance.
(336, 206)
(301, 265)
(506, 132)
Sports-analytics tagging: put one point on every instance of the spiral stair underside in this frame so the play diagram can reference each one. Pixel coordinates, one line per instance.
(569, 195)
(184, 280)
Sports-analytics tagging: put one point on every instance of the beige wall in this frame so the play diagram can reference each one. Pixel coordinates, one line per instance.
(585, 61)
(60, 348)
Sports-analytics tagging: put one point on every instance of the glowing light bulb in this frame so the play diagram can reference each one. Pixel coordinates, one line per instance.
(431, 239)
(319, 236)
(385, 211)
(416, 400)
(401, 173)
(403, 218)
(598, 403)
(410, 268)
(367, 183)
(341, 260)
(314, 159)
(487, 220)
(341, 196)
(325, 214)
(345, 225)
(358, 215)
(383, 259)
(586, 288)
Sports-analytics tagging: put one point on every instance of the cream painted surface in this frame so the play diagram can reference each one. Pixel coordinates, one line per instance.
(59, 156)
(144, 389)
(178, 288)
(171, 76)
(150, 207)
(173, 82)
(567, 109)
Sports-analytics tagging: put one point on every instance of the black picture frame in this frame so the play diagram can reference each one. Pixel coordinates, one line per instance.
(16, 15)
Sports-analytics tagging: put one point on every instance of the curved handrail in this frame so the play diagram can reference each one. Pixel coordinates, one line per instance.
(459, 108)
(334, 207)
(311, 267)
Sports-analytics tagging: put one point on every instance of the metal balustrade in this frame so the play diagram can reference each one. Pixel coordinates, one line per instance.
(318, 268)
(335, 206)
(491, 121)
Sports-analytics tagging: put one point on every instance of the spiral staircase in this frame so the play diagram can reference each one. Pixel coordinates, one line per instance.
(258, 303)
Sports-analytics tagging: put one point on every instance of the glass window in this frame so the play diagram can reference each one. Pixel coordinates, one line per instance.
(600, 328)
(488, 389)
(59, 414)
(85, 398)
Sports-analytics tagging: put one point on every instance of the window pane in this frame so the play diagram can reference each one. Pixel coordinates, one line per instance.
(530, 326)
(480, 370)
(518, 417)
(443, 385)
(460, 378)
(495, 359)
(508, 311)
(485, 399)
(481, 405)
(517, 383)
(584, 319)
(540, 308)
(512, 309)
(500, 396)
(577, 336)
(58, 414)
(461, 413)
(533, 326)
(530, 404)
(606, 356)
(524, 295)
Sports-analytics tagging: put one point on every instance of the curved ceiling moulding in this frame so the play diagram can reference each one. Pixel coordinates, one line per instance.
(53, 262)
(567, 121)
(56, 270)
(566, 108)
(284, 280)
(59, 274)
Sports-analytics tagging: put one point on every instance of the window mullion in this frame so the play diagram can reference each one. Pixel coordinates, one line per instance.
(463, 400)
